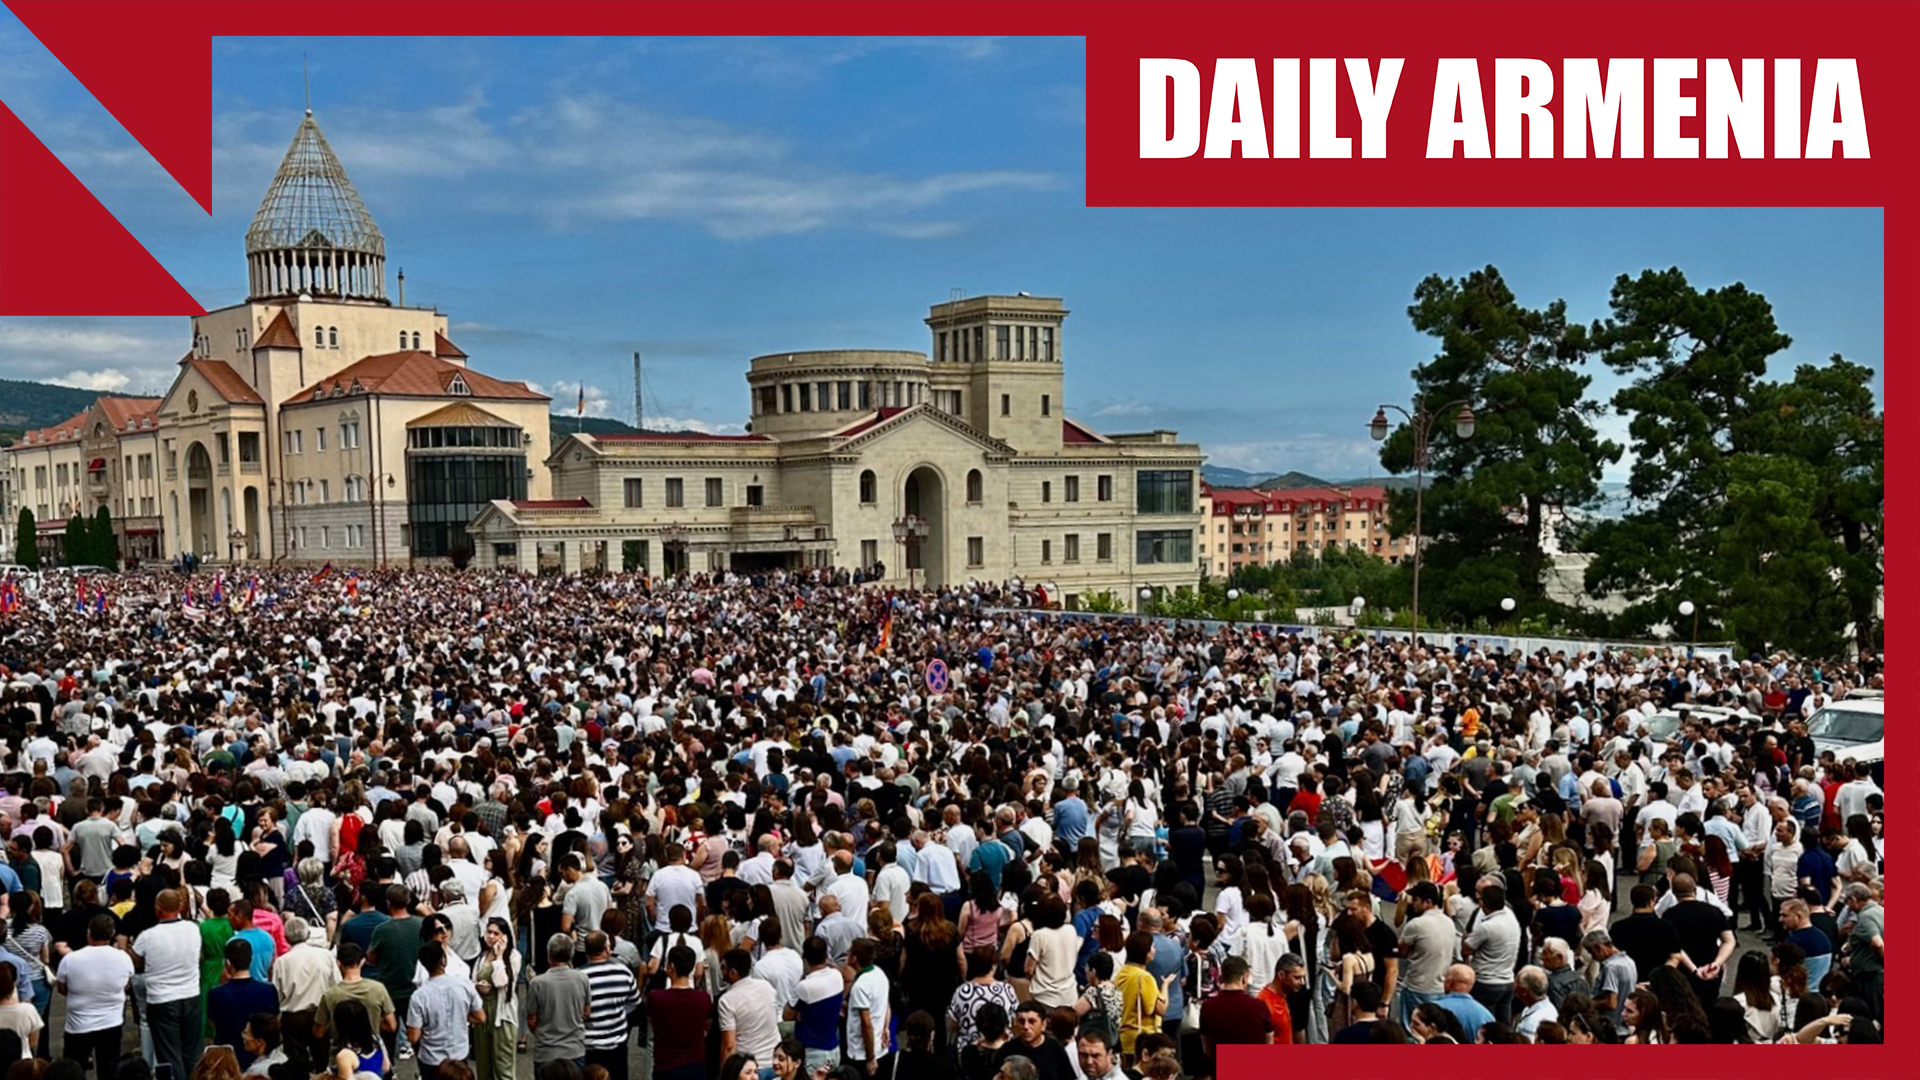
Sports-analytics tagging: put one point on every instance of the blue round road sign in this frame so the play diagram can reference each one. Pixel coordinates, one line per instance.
(937, 676)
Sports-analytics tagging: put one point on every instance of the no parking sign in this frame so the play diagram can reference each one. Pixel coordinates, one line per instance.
(937, 676)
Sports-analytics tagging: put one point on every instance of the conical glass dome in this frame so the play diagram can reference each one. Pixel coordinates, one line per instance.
(312, 234)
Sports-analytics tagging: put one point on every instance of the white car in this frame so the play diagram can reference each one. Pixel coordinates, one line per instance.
(1665, 724)
(1854, 730)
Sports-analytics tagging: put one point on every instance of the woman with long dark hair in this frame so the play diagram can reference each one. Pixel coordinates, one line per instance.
(495, 976)
(931, 964)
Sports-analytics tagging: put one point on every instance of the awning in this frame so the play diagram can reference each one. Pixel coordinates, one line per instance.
(98, 464)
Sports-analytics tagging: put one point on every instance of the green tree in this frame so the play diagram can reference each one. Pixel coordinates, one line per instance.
(1103, 603)
(26, 542)
(1534, 447)
(76, 544)
(1757, 500)
(100, 538)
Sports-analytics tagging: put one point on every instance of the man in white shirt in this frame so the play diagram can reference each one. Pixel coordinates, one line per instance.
(868, 1019)
(849, 888)
(169, 953)
(301, 975)
(891, 884)
(759, 869)
(749, 1011)
(94, 981)
(673, 885)
(779, 966)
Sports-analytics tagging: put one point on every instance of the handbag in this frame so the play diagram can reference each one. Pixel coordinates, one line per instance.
(1190, 1016)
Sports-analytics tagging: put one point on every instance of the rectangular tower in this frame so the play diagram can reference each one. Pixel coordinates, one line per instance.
(1003, 356)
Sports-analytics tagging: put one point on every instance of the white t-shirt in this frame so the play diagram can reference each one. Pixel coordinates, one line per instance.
(96, 979)
(869, 993)
(674, 886)
(171, 951)
(749, 1010)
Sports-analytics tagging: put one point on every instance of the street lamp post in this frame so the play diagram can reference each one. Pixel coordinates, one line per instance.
(1146, 596)
(1421, 420)
(910, 532)
(1688, 609)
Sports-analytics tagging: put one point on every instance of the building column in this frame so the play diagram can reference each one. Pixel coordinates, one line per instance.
(527, 553)
(570, 556)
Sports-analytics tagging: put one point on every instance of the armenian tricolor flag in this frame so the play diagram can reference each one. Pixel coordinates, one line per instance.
(220, 588)
(253, 589)
(886, 633)
(353, 585)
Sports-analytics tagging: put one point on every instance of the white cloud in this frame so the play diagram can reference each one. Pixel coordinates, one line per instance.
(1315, 453)
(566, 397)
(581, 161)
(108, 379)
(1125, 409)
(704, 427)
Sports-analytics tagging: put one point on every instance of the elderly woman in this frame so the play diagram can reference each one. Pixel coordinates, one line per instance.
(312, 900)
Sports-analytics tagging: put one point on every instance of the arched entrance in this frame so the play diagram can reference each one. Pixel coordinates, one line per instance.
(925, 497)
(200, 500)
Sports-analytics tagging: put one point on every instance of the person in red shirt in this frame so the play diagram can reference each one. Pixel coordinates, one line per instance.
(1289, 975)
(1233, 1017)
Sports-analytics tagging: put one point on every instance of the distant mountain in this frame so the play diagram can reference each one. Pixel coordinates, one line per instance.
(562, 424)
(1228, 477)
(1287, 481)
(27, 405)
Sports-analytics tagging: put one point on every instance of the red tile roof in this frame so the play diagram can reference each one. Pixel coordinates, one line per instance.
(552, 504)
(225, 381)
(417, 374)
(122, 411)
(278, 334)
(65, 431)
(444, 348)
(885, 414)
(674, 436)
(1074, 434)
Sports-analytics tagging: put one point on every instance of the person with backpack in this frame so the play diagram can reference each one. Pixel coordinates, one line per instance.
(1099, 1004)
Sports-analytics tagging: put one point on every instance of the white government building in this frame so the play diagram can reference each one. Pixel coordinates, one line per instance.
(319, 420)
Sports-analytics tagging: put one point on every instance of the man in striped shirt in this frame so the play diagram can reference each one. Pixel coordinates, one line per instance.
(612, 995)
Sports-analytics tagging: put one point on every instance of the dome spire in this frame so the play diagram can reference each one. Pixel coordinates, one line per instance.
(312, 234)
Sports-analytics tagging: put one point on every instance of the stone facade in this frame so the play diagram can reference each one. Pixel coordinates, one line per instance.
(975, 443)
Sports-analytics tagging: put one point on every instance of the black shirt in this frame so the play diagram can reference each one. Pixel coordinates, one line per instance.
(1049, 1059)
(1648, 939)
(1385, 945)
(1699, 925)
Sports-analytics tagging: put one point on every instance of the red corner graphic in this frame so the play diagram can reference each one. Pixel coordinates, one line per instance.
(166, 109)
(55, 238)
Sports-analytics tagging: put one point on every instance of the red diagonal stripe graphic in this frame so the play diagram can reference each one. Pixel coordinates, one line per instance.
(167, 110)
(61, 252)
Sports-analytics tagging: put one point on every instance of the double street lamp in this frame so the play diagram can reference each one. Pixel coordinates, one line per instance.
(910, 532)
(1421, 420)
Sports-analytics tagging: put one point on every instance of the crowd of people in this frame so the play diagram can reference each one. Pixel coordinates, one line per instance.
(455, 823)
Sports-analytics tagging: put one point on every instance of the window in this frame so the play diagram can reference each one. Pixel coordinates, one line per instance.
(1164, 491)
(300, 536)
(458, 386)
(403, 339)
(844, 394)
(1046, 404)
(1103, 547)
(976, 551)
(823, 396)
(1160, 546)
(326, 536)
(1003, 342)
(1105, 488)
(716, 491)
(756, 495)
(1046, 343)
(676, 492)
(1046, 551)
(1073, 547)
(319, 337)
(350, 434)
(416, 339)
(1046, 491)
(333, 337)
(947, 401)
(296, 440)
(869, 552)
(1073, 489)
(1006, 404)
(766, 399)
(806, 397)
(319, 440)
(631, 487)
(250, 447)
(974, 485)
(868, 489)
(979, 343)
(866, 395)
(325, 492)
(786, 397)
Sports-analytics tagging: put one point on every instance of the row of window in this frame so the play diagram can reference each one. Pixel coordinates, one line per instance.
(300, 492)
(1102, 548)
(294, 440)
(1009, 343)
(321, 536)
(633, 492)
(1254, 549)
(1241, 529)
(435, 438)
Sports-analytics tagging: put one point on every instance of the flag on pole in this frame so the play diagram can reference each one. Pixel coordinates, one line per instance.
(580, 407)
(220, 588)
(253, 589)
(9, 597)
(100, 599)
(80, 595)
(325, 569)
(353, 585)
(886, 633)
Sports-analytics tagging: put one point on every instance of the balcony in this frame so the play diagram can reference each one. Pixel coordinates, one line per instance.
(770, 515)
(250, 468)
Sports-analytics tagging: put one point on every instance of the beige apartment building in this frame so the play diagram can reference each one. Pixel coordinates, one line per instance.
(1258, 527)
(105, 455)
(973, 445)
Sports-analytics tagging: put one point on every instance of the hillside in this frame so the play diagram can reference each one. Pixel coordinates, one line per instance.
(26, 405)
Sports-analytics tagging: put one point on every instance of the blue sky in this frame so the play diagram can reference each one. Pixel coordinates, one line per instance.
(567, 201)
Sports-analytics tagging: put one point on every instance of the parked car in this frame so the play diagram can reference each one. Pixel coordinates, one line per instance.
(1664, 725)
(1855, 730)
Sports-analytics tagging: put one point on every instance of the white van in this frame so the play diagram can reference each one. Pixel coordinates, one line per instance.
(1855, 730)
